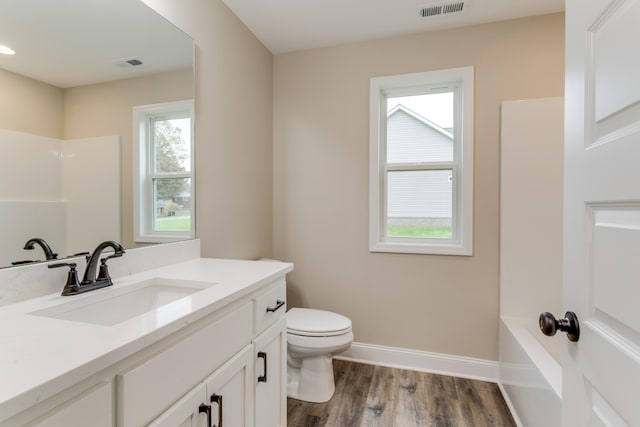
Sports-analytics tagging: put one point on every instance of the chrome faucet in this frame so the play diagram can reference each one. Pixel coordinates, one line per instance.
(89, 280)
(48, 252)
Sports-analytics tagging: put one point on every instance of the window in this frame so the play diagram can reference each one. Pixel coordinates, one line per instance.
(163, 172)
(421, 163)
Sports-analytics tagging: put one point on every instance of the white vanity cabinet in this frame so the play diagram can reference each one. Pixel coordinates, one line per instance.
(223, 399)
(249, 389)
(148, 388)
(270, 346)
(230, 391)
(224, 368)
(94, 407)
(271, 376)
(190, 411)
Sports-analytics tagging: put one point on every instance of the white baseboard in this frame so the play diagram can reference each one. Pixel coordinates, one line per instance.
(443, 364)
(510, 405)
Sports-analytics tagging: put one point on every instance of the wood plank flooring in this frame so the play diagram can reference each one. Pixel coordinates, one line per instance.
(375, 396)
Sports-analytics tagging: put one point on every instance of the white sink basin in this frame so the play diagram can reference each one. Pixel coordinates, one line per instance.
(110, 306)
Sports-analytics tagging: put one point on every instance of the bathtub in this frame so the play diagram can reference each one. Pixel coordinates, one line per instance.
(530, 375)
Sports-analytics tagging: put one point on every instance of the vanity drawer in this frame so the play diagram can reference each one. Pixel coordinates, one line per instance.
(150, 387)
(95, 404)
(270, 305)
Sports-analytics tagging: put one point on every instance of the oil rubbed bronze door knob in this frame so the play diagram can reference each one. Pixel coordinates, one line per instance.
(549, 325)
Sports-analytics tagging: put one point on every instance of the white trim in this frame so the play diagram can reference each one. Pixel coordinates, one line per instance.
(141, 196)
(509, 403)
(421, 119)
(415, 360)
(408, 84)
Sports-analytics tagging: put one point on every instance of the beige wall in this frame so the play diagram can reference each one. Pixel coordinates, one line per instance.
(106, 109)
(233, 129)
(30, 106)
(444, 304)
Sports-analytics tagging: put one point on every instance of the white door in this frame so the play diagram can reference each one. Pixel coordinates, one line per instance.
(601, 372)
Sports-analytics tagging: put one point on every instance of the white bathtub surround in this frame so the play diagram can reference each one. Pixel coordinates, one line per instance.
(531, 184)
(25, 219)
(91, 178)
(33, 280)
(530, 378)
(45, 356)
(69, 196)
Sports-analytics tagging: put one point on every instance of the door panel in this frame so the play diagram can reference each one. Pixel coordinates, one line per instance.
(616, 251)
(601, 372)
(614, 68)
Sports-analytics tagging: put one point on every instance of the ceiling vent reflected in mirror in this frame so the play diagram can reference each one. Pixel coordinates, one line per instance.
(441, 9)
(128, 63)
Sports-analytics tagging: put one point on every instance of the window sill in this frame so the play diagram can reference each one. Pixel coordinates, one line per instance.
(422, 248)
(162, 238)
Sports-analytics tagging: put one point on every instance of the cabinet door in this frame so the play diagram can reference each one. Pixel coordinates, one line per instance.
(271, 376)
(229, 391)
(190, 411)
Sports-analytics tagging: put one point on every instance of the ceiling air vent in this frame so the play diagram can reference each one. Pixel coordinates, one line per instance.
(128, 63)
(441, 9)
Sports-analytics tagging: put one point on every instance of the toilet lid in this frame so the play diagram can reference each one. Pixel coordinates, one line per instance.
(312, 323)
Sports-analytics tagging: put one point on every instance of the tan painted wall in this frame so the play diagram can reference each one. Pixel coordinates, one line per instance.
(444, 304)
(106, 109)
(30, 106)
(233, 129)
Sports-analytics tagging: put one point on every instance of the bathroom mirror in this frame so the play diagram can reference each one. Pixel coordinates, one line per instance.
(68, 94)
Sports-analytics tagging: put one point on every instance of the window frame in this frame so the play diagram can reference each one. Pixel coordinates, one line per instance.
(144, 173)
(381, 88)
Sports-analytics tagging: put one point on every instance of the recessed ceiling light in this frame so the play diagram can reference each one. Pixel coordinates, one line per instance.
(6, 50)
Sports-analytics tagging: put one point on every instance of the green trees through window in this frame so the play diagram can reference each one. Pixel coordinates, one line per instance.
(164, 164)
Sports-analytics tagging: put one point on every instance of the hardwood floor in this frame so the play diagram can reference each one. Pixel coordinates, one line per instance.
(375, 396)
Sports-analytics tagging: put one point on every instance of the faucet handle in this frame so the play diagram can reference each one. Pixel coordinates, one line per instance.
(72, 265)
(72, 286)
(103, 272)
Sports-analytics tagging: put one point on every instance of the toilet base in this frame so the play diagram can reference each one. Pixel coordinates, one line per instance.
(310, 379)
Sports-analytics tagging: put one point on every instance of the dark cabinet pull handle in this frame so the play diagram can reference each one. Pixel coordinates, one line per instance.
(279, 303)
(217, 398)
(549, 325)
(263, 378)
(207, 409)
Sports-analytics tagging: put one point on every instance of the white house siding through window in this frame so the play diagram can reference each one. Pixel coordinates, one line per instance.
(421, 197)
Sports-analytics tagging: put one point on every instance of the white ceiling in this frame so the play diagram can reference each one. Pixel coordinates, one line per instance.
(69, 43)
(289, 25)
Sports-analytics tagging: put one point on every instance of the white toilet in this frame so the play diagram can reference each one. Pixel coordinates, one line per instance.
(313, 338)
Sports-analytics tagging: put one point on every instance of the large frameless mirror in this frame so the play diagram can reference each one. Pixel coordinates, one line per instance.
(78, 70)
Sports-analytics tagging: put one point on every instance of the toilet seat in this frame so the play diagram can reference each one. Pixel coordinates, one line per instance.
(316, 323)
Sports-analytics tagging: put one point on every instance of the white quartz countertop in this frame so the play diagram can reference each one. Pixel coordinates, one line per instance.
(42, 356)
